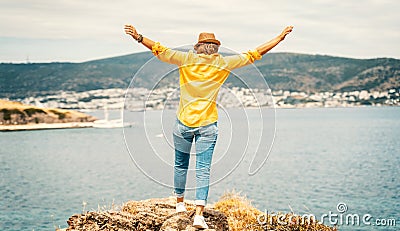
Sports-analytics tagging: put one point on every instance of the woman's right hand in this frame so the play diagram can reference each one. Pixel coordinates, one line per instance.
(131, 30)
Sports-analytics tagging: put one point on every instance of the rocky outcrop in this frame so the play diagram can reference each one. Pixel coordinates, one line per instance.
(16, 113)
(232, 212)
(151, 214)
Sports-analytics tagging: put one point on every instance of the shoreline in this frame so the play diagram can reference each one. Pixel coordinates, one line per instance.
(17, 116)
(45, 126)
(71, 125)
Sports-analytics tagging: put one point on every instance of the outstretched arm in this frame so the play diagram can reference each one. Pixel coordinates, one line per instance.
(163, 53)
(131, 30)
(264, 48)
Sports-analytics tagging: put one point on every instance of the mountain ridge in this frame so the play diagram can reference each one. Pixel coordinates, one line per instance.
(282, 71)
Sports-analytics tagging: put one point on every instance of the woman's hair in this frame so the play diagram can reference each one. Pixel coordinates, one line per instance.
(206, 48)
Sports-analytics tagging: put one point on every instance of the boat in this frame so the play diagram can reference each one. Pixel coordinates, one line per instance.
(107, 123)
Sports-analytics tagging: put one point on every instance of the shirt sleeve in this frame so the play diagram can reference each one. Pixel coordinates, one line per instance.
(240, 60)
(168, 55)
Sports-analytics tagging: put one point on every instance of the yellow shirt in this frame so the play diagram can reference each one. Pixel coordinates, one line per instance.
(200, 78)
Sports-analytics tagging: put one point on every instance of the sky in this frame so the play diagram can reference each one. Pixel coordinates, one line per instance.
(77, 30)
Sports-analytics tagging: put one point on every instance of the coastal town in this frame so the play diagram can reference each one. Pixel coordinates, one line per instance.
(168, 98)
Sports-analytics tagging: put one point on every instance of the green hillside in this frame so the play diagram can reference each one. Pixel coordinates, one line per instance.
(286, 71)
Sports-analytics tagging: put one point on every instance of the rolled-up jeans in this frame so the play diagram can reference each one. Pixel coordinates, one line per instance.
(205, 138)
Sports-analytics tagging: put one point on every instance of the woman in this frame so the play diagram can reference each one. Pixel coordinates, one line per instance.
(201, 76)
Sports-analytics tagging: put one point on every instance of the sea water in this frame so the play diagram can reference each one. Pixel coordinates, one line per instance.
(321, 161)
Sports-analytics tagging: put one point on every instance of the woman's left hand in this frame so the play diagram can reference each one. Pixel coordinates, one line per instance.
(286, 31)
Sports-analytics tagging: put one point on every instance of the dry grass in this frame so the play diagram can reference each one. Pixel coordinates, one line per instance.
(12, 105)
(243, 216)
(13, 113)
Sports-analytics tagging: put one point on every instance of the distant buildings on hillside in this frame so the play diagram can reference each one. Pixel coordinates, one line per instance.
(140, 98)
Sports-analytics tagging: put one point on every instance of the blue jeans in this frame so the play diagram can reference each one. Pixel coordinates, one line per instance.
(205, 138)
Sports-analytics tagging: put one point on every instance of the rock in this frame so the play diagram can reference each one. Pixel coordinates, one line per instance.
(178, 222)
(183, 221)
(151, 214)
(232, 212)
(16, 113)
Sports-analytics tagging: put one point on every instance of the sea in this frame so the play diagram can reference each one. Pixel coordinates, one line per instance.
(339, 164)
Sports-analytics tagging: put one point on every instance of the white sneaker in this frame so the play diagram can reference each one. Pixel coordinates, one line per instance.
(199, 222)
(180, 207)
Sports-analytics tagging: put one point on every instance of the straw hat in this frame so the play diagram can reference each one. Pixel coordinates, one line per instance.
(208, 38)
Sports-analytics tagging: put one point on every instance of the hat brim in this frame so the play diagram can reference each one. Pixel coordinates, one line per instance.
(210, 41)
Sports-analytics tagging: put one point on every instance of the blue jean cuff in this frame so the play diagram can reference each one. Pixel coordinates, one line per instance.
(200, 202)
(179, 195)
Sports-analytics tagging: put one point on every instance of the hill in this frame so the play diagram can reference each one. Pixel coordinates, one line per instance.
(282, 71)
